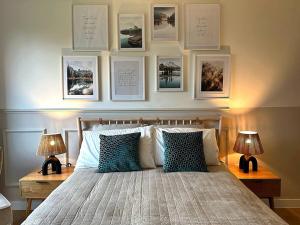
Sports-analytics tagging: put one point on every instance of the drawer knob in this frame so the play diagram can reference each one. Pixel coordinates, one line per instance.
(42, 182)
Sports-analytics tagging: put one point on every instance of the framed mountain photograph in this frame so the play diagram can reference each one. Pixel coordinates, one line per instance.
(164, 22)
(212, 76)
(131, 32)
(169, 73)
(80, 77)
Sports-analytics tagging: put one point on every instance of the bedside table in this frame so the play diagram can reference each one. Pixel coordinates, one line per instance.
(36, 186)
(263, 182)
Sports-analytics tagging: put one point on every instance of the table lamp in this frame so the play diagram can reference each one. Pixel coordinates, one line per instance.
(50, 145)
(248, 143)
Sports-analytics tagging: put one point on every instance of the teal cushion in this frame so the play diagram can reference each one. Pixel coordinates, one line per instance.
(119, 153)
(184, 152)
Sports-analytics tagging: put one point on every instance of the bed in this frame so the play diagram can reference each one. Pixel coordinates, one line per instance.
(152, 196)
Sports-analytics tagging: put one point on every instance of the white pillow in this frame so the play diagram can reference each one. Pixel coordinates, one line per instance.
(90, 148)
(210, 146)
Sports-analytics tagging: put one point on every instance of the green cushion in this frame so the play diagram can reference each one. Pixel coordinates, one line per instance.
(119, 153)
(184, 152)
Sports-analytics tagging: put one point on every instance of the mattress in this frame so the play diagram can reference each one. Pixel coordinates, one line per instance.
(153, 197)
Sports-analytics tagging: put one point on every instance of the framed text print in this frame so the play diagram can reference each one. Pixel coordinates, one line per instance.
(212, 76)
(127, 78)
(80, 77)
(131, 32)
(169, 73)
(90, 27)
(202, 26)
(164, 22)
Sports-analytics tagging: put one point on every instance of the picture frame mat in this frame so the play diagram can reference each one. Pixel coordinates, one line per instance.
(143, 33)
(176, 22)
(66, 96)
(181, 89)
(91, 49)
(141, 96)
(198, 94)
(217, 8)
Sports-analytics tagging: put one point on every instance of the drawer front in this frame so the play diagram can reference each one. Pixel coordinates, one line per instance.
(38, 189)
(264, 188)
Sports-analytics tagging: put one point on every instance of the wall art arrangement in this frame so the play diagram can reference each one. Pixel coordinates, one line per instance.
(80, 77)
(169, 73)
(127, 73)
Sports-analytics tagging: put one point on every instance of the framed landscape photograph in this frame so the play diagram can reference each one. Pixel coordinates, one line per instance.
(127, 78)
(169, 73)
(90, 27)
(131, 32)
(164, 22)
(212, 76)
(80, 77)
(202, 26)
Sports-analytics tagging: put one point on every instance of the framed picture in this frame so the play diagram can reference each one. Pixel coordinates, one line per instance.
(131, 32)
(164, 22)
(80, 77)
(169, 73)
(90, 27)
(127, 78)
(202, 26)
(212, 76)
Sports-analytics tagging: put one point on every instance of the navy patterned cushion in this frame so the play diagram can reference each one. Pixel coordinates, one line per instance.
(184, 152)
(119, 153)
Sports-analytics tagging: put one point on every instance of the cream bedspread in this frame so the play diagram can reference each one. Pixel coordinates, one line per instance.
(153, 197)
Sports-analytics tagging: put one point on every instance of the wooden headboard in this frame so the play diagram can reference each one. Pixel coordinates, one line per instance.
(212, 122)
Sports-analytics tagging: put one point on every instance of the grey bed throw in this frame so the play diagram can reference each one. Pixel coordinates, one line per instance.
(153, 197)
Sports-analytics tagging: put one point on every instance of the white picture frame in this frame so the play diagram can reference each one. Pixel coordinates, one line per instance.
(169, 73)
(202, 26)
(80, 77)
(127, 78)
(164, 27)
(131, 32)
(212, 76)
(90, 27)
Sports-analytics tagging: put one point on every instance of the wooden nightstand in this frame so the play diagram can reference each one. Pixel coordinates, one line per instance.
(263, 182)
(36, 186)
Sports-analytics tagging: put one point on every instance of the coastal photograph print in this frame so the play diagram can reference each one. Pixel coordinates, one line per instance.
(169, 73)
(80, 77)
(164, 22)
(212, 76)
(131, 32)
(90, 27)
(127, 78)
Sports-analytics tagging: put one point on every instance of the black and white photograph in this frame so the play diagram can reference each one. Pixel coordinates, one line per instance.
(169, 73)
(80, 77)
(127, 78)
(131, 32)
(165, 22)
(212, 76)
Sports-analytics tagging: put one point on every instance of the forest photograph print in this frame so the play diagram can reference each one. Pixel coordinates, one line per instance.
(80, 77)
(131, 32)
(212, 76)
(169, 74)
(164, 23)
